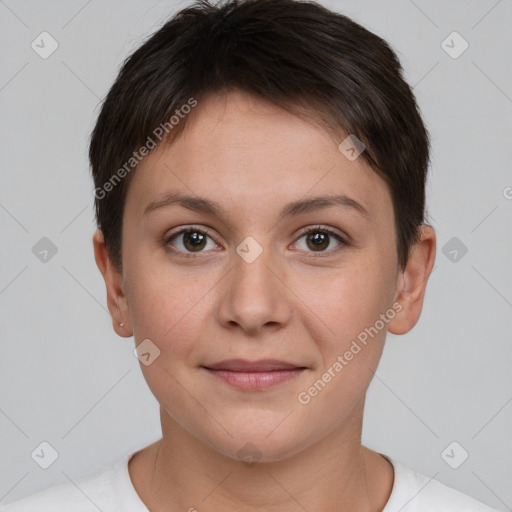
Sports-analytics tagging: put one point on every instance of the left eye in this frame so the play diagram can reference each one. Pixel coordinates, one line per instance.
(318, 239)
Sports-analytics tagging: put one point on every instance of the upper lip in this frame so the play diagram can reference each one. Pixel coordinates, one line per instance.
(262, 365)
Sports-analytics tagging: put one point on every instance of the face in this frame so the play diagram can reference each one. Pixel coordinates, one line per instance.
(246, 282)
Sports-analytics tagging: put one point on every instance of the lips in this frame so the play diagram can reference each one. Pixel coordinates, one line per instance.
(263, 365)
(254, 375)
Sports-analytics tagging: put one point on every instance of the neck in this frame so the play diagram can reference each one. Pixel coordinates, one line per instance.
(179, 472)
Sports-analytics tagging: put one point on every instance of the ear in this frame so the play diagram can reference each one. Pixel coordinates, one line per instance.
(412, 282)
(116, 299)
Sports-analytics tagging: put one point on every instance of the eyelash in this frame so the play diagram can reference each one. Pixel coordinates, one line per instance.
(206, 231)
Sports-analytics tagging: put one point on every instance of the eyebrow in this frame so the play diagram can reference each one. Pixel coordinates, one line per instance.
(307, 205)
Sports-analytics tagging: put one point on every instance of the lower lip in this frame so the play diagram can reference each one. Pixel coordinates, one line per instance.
(256, 380)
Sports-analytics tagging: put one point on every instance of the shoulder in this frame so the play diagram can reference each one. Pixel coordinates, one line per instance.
(89, 493)
(416, 492)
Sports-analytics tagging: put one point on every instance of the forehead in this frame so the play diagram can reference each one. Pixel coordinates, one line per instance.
(252, 156)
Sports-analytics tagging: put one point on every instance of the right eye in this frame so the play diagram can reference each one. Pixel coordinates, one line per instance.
(189, 241)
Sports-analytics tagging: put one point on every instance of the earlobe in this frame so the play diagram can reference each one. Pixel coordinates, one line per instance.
(412, 282)
(116, 299)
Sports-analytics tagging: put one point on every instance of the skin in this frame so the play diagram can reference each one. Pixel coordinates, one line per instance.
(294, 302)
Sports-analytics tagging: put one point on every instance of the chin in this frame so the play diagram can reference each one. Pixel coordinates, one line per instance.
(253, 443)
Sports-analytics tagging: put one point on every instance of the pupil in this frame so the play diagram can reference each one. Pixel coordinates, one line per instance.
(319, 240)
(195, 238)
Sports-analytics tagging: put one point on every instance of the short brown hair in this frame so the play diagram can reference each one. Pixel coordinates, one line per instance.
(297, 55)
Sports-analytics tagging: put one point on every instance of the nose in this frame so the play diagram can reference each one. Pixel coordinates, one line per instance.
(255, 295)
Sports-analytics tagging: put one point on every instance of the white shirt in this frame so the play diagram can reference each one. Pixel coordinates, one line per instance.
(110, 489)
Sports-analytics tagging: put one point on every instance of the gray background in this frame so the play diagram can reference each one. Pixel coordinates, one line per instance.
(67, 379)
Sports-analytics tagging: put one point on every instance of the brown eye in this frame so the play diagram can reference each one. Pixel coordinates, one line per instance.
(318, 239)
(194, 240)
(190, 240)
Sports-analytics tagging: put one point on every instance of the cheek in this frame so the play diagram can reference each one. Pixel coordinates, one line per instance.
(170, 305)
(345, 301)
(349, 330)
(167, 309)
(349, 307)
